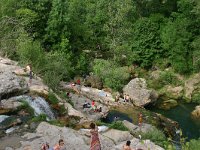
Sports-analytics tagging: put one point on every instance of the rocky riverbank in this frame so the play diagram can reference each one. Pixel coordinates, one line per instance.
(17, 95)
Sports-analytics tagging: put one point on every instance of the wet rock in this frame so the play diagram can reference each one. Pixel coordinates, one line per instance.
(168, 104)
(196, 113)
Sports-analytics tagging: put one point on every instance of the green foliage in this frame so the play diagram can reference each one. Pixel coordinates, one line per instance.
(115, 77)
(165, 78)
(146, 41)
(39, 118)
(114, 125)
(196, 97)
(26, 107)
(62, 111)
(155, 136)
(192, 145)
(52, 98)
(56, 123)
(118, 125)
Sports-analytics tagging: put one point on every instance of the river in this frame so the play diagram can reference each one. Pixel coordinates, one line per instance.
(182, 114)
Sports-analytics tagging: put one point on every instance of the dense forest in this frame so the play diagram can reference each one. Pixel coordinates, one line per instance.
(66, 38)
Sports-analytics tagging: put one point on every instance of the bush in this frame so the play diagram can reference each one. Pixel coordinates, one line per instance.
(165, 78)
(118, 125)
(52, 98)
(155, 136)
(192, 145)
(196, 98)
(113, 76)
(27, 107)
(40, 118)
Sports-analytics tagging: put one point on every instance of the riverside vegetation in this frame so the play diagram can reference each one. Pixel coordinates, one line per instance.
(113, 41)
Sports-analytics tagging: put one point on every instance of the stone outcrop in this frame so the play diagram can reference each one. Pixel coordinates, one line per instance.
(138, 92)
(192, 85)
(196, 113)
(10, 83)
(78, 139)
(135, 129)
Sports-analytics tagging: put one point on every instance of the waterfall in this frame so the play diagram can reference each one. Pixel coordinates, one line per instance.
(3, 117)
(39, 105)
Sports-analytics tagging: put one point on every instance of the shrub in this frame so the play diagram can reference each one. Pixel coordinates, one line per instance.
(112, 75)
(165, 78)
(154, 135)
(56, 123)
(192, 145)
(27, 107)
(118, 125)
(40, 118)
(196, 98)
(52, 98)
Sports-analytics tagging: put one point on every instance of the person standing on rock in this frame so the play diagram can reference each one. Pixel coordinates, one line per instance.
(95, 142)
(140, 120)
(29, 69)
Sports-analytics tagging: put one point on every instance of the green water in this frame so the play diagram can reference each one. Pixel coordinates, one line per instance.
(182, 114)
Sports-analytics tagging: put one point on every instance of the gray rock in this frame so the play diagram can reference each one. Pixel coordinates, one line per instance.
(138, 92)
(76, 140)
(134, 128)
(11, 84)
(191, 85)
(196, 113)
(118, 136)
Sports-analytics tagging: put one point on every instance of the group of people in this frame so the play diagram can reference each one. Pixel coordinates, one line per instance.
(126, 98)
(92, 106)
(59, 146)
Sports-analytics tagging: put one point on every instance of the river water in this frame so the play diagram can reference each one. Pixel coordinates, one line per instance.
(182, 114)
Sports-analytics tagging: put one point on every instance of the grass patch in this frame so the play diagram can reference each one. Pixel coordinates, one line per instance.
(52, 98)
(25, 106)
(114, 125)
(56, 123)
(155, 135)
(39, 118)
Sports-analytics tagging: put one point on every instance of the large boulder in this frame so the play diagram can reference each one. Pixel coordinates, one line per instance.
(138, 144)
(196, 113)
(135, 129)
(118, 136)
(10, 83)
(138, 92)
(192, 85)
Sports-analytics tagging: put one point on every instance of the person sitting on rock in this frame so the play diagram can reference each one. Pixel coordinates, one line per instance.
(45, 146)
(86, 105)
(60, 145)
(93, 105)
(127, 146)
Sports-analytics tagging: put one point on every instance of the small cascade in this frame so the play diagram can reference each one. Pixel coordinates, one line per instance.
(3, 117)
(39, 105)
